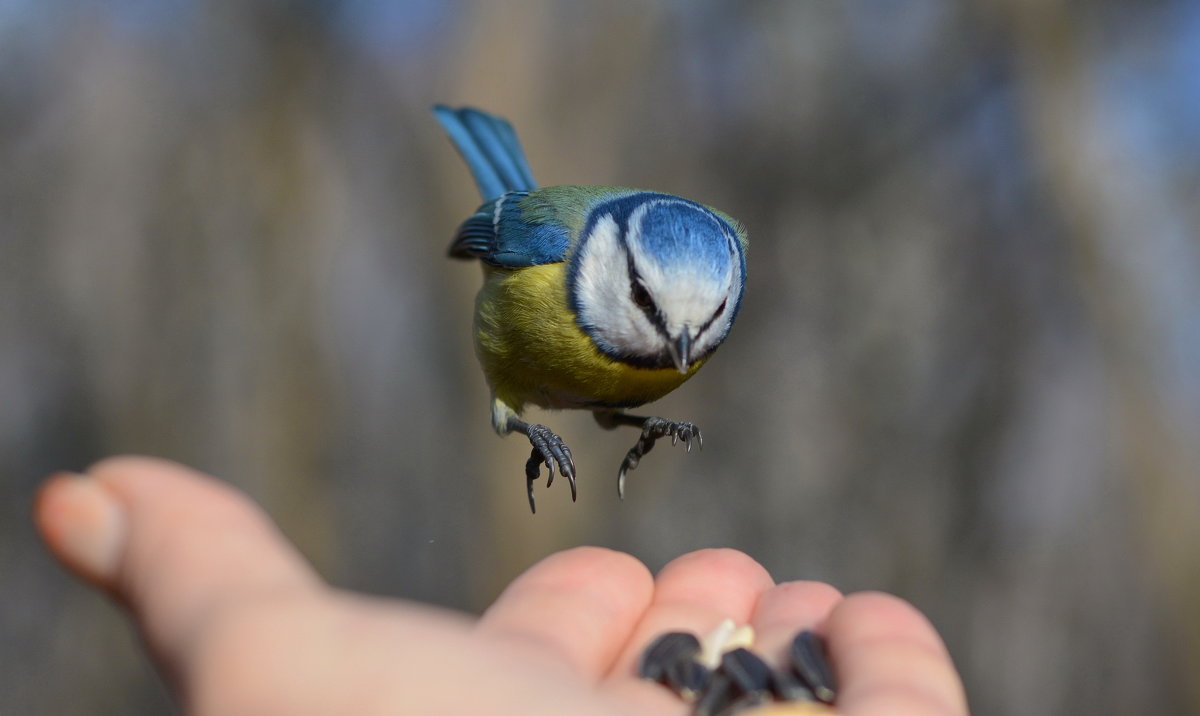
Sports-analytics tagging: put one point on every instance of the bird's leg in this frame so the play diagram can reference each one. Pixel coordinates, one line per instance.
(652, 429)
(548, 448)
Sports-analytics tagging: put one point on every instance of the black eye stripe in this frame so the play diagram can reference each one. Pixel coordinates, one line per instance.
(640, 295)
(716, 314)
(638, 292)
(643, 300)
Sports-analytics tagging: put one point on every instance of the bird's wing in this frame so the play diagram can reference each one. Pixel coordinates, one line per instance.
(502, 233)
(528, 228)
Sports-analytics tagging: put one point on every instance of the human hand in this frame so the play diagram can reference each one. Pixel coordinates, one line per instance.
(241, 624)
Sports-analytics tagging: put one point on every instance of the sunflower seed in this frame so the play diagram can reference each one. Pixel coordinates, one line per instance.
(666, 650)
(811, 665)
(787, 687)
(750, 673)
(718, 697)
(688, 678)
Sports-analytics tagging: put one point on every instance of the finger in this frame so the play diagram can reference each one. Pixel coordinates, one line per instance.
(579, 606)
(695, 593)
(890, 660)
(784, 610)
(170, 543)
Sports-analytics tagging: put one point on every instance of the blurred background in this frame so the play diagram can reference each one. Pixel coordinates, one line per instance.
(965, 371)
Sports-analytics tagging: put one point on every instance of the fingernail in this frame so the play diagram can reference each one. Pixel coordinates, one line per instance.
(83, 524)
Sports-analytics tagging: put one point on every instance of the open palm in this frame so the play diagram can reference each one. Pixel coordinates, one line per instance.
(241, 624)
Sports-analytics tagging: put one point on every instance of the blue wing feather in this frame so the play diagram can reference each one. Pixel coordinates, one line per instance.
(506, 238)
(524, 175)
(492, 152)
(499, 142)
(490, 148)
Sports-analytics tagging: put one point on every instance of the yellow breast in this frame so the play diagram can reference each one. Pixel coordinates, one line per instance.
(532, 351)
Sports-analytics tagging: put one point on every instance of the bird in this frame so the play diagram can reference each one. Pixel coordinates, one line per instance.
(595, 298)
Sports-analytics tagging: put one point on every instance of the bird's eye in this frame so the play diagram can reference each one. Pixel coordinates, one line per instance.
(641, 296)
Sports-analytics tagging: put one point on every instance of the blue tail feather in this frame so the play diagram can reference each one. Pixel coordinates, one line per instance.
(490, 148)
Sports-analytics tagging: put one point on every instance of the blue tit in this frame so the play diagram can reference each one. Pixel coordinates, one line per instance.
(594, 297)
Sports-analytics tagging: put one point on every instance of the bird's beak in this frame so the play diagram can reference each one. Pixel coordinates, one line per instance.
(681, 351)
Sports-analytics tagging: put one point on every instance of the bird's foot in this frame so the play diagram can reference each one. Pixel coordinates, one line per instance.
(548, 449)
(652, 430)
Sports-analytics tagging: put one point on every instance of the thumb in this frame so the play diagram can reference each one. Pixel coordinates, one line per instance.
(171, 544)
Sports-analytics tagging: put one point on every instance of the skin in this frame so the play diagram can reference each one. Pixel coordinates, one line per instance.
(240, 624)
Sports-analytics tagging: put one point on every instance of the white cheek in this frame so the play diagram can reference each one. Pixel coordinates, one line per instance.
(720, 327)
(690, 294)
(602, 292)
(714, 334)
(688, 299)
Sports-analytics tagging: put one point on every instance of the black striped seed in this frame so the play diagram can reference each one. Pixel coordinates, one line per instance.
(812, 666)
(668, 649)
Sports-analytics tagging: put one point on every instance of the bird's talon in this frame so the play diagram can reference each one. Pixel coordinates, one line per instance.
(547, 449)
(653, 429)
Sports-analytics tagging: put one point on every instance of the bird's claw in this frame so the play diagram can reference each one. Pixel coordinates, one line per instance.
(548, 449)
(652, 430)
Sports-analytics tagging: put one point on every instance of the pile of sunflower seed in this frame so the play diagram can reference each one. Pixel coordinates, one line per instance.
(723, 677)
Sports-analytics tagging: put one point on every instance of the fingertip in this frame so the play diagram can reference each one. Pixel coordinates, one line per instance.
(869, 616)
(821, 595)
(786, 608)
(580, 604)
(168, 542)
(585, 562)
(83, 525)
(890, 659)
(717, 567)
(617, 581)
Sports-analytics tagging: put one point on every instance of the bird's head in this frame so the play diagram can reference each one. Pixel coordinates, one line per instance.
(656, 280)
